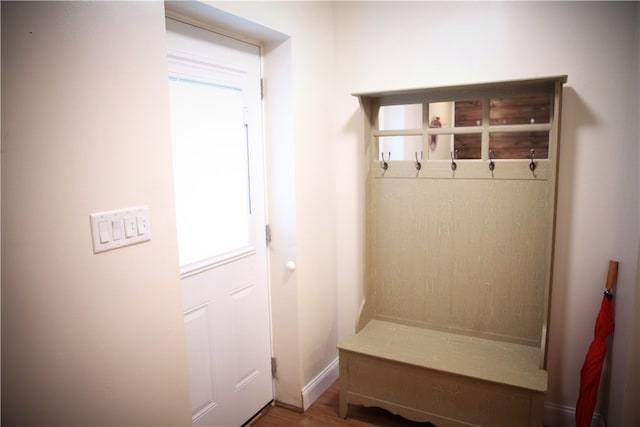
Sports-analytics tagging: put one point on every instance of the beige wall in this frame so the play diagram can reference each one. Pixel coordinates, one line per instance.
(631, 414)
(87, 339)
(390, 45)
(84, 334)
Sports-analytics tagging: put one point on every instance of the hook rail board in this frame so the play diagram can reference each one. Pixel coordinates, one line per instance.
(459, 229)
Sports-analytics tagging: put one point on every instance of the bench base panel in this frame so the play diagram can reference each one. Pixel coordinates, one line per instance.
(444, 399)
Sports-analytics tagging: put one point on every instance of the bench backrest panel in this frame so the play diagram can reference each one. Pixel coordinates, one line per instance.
(467, 250)
(469, 256)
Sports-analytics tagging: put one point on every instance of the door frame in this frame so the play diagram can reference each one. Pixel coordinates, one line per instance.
(256, 248)
(277, 63)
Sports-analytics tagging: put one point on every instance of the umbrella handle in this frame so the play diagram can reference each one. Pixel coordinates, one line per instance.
(612, 276)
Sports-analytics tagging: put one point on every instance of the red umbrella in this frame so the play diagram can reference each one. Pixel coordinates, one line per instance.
(592, 367)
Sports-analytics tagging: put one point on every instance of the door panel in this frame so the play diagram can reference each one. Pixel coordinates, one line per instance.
(224, 321)
(199, 341)
(218, 167)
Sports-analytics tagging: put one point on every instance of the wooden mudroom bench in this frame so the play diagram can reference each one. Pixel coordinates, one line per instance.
(459, 230)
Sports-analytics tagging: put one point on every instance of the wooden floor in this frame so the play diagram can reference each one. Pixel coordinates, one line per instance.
(324, 412)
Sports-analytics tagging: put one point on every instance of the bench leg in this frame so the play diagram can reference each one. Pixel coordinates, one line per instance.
(343, 406)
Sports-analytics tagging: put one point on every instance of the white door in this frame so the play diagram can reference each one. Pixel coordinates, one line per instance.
(220, 209)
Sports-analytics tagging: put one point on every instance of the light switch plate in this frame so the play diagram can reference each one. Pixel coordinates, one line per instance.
(120, 228)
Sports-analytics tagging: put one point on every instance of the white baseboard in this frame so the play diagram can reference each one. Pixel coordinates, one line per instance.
(563, 416)
(320, 384)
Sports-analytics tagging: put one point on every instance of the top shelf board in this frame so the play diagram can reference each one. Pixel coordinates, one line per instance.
(449, 93)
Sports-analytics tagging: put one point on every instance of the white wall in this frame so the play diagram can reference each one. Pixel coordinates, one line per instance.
(87, 339)
(630, 409)
(88, 100)
(389, 45)
(385, 45)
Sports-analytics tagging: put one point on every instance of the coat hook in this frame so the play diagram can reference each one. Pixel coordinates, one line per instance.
(418, 164)
(492, 165)
(383, 163)
(532, 164)
(454, 166)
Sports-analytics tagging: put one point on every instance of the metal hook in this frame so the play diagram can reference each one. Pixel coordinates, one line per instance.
(532, 164)
(383, 163)
(492, 165)
(418, 164)
(454, 166)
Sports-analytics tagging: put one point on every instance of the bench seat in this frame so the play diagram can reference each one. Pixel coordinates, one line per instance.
(484, 359)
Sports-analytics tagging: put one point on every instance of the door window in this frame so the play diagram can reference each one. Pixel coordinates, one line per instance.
(210, 162)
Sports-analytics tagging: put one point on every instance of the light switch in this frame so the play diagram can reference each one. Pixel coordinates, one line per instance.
(120, 228)
(117, 227)
(141, 221)
(103, 230)
(129, 226)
